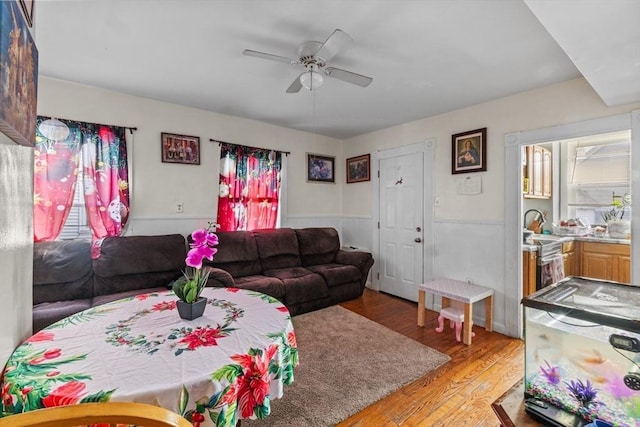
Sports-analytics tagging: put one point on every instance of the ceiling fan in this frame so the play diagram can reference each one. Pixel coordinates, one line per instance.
(313, 56)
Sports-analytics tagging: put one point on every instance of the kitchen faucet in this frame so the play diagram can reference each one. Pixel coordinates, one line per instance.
(539, 218)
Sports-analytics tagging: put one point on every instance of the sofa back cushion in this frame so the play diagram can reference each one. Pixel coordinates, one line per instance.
(318, 245)
(278, 248)
(237, 254)
(62, 271)
(138, 262)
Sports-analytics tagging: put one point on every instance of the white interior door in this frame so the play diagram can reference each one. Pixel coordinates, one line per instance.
(401, 231)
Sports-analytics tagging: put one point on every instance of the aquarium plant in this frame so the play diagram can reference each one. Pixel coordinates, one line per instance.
(584, 393)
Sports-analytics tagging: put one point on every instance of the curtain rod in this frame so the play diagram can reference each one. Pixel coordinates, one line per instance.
(131, 128)
(286, 153)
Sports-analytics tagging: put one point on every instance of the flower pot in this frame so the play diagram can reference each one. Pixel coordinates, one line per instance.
(619, 229)
(191, 311)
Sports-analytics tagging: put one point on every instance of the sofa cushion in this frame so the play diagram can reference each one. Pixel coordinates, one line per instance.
(46, 313)
(337, 274)
(267, 285)
(237, 254)
(62, 270)
(300, 284)
(138, 262)
(318, 245)
(278, 248)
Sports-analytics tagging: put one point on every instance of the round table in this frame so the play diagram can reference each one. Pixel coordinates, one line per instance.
(224, 366)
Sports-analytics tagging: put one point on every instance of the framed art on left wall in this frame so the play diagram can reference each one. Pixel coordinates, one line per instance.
(19, 76)
(320, 168)
(180, 149)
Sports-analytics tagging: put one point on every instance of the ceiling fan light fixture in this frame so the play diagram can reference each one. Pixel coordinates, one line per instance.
(311, 80)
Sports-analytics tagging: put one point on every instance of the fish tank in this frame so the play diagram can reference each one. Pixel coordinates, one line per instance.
(582, 353)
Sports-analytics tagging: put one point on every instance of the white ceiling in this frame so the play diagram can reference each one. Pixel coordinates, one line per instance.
(426, 57)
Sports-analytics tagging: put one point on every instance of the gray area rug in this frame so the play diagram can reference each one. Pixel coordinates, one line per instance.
(347, 362)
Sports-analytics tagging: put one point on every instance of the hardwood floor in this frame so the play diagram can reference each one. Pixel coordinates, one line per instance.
(457, 394)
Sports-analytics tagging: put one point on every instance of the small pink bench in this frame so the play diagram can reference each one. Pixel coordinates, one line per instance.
(456, 319)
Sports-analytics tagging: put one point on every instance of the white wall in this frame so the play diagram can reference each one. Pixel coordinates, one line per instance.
(157, 186)
(469, 230)
(16, 244)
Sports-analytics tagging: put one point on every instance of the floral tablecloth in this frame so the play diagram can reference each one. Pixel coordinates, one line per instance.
(224, 366)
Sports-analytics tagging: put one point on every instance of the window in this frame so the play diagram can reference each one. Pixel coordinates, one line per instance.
(249, 188)
(599, 167)
(77, 225)
(88, 155)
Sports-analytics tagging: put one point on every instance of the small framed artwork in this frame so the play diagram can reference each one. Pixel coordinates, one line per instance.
(180, 149)
(27, 9)
(469, 151)
(359, 169)
(19, 76)
(320, 168)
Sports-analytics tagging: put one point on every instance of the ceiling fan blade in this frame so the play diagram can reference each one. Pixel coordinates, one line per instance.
(269, 56)
(348, 76)
(295, 85)
(337, 41)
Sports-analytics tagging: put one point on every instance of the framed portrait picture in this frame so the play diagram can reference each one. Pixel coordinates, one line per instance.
(469, 151)
(320, 168)
(359, 169)
(180, 149)
(18, 76)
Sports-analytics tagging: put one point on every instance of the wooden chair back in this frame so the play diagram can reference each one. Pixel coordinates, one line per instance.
(112, 413)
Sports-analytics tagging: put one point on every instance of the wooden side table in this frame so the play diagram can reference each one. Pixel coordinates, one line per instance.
(464, 292)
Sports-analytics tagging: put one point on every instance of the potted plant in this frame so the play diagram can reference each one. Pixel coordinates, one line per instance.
(617, 226)
(189, 287)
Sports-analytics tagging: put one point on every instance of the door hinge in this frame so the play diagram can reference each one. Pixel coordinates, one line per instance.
(378, 173)
(378, 276)
(378, 225)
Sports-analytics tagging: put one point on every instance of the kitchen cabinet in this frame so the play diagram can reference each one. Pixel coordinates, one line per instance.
(606, 261)
(569, 257)
(537, 173)
(528, 272)
(546, 173)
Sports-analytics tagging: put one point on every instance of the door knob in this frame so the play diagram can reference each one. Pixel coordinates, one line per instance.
(417, 240)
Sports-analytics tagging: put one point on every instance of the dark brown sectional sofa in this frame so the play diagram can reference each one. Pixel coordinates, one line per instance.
(304, 268)
(66, 280)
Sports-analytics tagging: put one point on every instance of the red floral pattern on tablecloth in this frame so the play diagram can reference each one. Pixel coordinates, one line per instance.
(47, 371)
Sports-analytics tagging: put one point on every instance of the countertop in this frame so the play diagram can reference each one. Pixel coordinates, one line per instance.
(558, 238)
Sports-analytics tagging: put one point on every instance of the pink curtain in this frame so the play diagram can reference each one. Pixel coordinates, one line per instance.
(104, 173)
(249, 188)
(106, 191)
(55, 171)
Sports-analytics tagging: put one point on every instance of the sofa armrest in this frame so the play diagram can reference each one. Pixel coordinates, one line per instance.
(218, 278)
(362, 260)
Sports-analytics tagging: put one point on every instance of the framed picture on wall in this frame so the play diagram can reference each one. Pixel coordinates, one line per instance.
(19, 76)
(180, 149)
(469, 151)
(359, 169)
(27, 9)
(320, 168)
